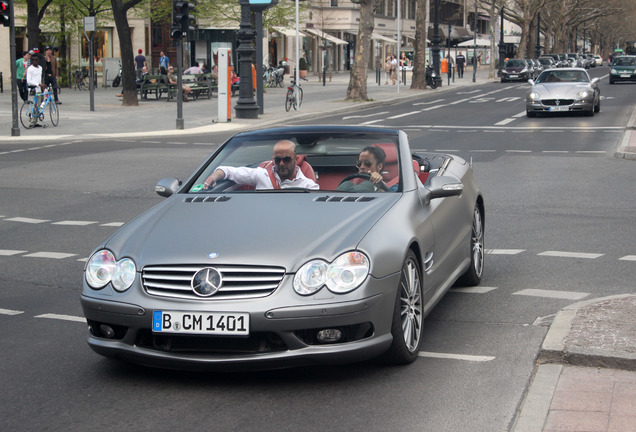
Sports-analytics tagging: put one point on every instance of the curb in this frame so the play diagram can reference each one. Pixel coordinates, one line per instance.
(622, 152)
(555, 350)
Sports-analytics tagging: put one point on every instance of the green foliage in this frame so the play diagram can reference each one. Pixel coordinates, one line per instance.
(302, 64)
(227, 13)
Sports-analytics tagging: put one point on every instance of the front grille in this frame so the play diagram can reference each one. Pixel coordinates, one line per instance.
(239, 282)
(553, 102)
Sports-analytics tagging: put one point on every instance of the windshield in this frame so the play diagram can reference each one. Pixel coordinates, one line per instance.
(515, 63)
(625, 61)
(252, 162)
(560, 76)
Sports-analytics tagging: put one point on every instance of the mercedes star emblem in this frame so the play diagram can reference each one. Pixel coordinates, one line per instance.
(206, 282)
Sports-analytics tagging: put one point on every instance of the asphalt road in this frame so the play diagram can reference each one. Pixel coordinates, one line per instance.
(559, 228)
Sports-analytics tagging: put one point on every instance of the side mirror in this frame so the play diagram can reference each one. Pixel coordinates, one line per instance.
(531, 82)
(168, 186)
(595, 80)
(445, 186)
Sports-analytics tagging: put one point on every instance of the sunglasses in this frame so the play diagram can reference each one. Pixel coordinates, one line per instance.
(285, 159)
(366, 163)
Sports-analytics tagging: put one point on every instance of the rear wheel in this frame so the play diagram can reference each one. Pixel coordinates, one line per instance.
(472, 276)
(54, 114)
(408, 315)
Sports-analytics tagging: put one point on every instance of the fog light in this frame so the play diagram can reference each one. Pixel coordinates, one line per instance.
(329, 335)
(106, 331)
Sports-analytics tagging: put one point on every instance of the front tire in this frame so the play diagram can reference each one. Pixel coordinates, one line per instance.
(289, 99)
(25, 116)
(472, 276)
(408, 315)
(530, 114)
(54, 113)
(597, 107)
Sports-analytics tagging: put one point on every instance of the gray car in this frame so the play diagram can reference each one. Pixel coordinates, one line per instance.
(231, 277)
(563, 90)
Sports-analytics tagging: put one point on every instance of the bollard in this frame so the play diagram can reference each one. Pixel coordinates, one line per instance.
(1, 83)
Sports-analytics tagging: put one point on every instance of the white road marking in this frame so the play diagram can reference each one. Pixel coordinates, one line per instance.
(473, 290)
(433, 107)
(27, 220)
(469, 92)
(482, 151)
(367, 115)
(371, 122)
(590, 152)
(465, 357)
(10, 312)
(504, 251)
(555, 151)
(562, 254)
(9, 252)
(52, 255)
(509, 99)
(459, 101)
(628, 258)
(113, 224)
(427, 103)
(62, 317)
(74, 223)
(521, 114)
(505, 122)
(403, 115)
(565, 295)
(519, 151)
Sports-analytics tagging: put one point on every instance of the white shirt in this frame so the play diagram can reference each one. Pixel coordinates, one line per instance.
(34, 77)
(260, 179)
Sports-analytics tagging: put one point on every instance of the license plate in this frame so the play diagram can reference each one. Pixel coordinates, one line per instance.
(211, 323)
(513, 76)
(625, 75)
(559, 108)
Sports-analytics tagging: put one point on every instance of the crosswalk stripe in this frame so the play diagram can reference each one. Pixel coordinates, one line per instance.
(628, 258)
(9, 252)
(10, 312)
(473, 358)
(54, 255)
(27, 220)
(473, 290)
(565, 295)
(504, 251)
(74, 223)
(113, 224)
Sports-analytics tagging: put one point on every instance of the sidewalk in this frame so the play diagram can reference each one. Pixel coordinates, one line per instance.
(158, 117)
(586, 374)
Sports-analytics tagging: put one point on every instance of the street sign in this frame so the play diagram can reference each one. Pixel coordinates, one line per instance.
(89, 23)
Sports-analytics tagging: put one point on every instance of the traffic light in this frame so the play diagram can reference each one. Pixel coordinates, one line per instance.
(182, 21)
(5, 13)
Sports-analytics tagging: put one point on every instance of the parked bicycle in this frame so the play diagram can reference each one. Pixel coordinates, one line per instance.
(274, 76)
(294, 96)
(33, 111)
(80, 79)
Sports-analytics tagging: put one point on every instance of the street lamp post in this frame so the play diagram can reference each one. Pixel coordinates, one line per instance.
(537, 48)
(502, 48)
(436, 40)
(246, 106)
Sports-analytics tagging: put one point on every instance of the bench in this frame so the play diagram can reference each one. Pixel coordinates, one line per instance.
(199, 84)
(319, 75)
(157, 84)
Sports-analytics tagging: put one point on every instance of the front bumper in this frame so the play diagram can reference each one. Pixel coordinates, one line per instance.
(513, 76)
(539, 106)
(279, 336)
(623, 76)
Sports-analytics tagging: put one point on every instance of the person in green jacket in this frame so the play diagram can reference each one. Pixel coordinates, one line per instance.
(21, 67)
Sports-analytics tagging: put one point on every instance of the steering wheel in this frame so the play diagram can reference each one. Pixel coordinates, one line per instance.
(381, 185)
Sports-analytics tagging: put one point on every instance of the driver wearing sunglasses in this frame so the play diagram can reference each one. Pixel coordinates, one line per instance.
(280, 174)
(370, 162)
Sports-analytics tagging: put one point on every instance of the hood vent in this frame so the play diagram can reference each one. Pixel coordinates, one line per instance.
(347, 198)
(200, 199)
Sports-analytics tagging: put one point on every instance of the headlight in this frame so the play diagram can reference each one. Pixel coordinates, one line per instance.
(534, 96)
(582, 94)
(345, 274)
(613, 72)
(103, 268)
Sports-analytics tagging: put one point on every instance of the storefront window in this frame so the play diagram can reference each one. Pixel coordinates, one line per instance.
(102, 46)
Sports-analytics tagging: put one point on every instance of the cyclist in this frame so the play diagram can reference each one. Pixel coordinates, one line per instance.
(34, 79)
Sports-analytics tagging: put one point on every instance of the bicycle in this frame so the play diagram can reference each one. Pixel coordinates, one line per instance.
(294, 96)
(32, 111)
(80, 77)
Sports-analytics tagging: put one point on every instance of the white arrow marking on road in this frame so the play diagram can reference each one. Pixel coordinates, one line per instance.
(364, 116)
(429, 103)
(564, 295)
(465, 357)
(482, 100)
(62, 317)
(403, 115)
(10, 312)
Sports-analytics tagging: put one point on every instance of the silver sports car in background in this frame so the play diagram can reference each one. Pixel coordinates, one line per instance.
(226, 275)
(563, 90)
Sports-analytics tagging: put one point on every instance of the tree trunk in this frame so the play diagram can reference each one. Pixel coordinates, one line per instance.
(129, 85)
(34, 16)
(493, 46)
(357, 89)
(419, 57)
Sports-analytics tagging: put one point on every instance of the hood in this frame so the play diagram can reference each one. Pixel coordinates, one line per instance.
(278, 229)
(560, 90)
(514, 69)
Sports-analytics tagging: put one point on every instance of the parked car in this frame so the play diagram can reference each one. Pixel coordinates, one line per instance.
(599, 60)
(548, 62)
(573, 60)
(515, 70)
(563, 90)
(623, 69)
(221, 275)
(538, 67)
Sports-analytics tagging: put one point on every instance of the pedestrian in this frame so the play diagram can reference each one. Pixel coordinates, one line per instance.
(140, 63)
(21, 66)
(460, 61)
(387, 70)
(172, 79)
(394, 68)
(51, 72)
(450, 63)
(34, 78)
(164, 61)
(193, 70)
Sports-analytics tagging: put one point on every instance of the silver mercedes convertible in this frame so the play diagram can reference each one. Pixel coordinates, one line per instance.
(286, 247)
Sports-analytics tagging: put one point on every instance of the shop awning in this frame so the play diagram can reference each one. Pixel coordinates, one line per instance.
(321, 34)
(378, 36)
(481, 42)
(288, 32)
